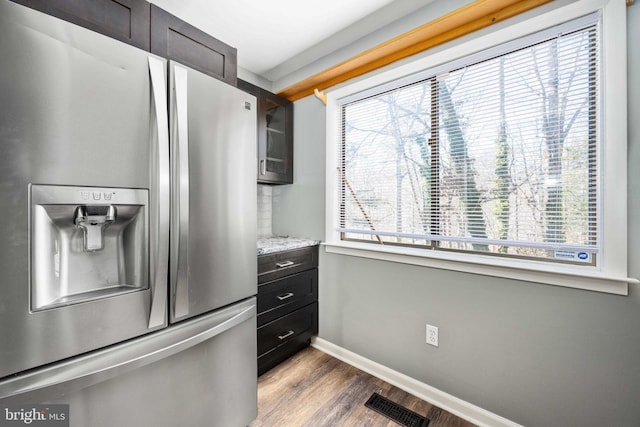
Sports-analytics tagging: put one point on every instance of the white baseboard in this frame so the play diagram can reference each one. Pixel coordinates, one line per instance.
(458, 407)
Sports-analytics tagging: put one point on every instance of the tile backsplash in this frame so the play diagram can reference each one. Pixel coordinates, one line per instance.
(265, 210)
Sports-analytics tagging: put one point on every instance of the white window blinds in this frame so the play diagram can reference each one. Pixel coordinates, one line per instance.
(498, 153)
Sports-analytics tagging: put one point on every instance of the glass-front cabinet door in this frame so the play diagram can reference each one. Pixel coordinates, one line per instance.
(275, 135)
(277, 156)
(275, 140)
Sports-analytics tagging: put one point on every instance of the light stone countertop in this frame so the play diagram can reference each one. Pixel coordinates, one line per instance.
(268, 245)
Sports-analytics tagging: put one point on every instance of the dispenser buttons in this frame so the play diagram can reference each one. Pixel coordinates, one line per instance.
(97, 196)
(86, 196)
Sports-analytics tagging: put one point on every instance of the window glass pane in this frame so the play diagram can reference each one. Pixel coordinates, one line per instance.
(387, 163)
(497, 157)
(517, 148)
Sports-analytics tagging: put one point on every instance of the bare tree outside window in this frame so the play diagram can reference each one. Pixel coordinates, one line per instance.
(497, 156)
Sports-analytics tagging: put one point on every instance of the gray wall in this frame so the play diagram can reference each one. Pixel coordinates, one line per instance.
(536, 354)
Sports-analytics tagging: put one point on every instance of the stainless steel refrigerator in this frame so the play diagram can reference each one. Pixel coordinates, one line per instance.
(128, 260)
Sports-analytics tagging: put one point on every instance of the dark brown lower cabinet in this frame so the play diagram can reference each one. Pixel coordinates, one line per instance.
(287, 304)
(282, 338)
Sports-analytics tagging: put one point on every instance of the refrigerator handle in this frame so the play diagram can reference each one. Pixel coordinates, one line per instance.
(159, 236)
(180, 212)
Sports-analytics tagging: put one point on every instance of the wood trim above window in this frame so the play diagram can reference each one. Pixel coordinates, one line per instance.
(465, 20)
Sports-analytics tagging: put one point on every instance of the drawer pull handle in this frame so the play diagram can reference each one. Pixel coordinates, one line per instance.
(284, 264)
(285, 296)
(288, 334)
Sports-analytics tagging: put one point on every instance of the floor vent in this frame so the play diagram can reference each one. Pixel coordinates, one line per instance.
(395, 412)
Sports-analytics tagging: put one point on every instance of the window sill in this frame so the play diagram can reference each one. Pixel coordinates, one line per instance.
(587, 278)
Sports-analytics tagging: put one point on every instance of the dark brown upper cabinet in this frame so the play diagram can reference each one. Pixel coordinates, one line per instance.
(146, 26)
(275, 135)
(175, 39)
(124, 20)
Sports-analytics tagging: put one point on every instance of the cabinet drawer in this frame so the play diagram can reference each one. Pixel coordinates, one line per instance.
(280, 264)
(282, 296)
(274, 357)
(287, 328)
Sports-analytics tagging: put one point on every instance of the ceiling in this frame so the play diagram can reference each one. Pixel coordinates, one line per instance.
(268, 34)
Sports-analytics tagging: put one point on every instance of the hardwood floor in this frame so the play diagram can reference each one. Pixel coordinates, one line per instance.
(313, 389)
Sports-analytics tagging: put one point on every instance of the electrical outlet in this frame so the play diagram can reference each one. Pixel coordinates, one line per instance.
(432, 335)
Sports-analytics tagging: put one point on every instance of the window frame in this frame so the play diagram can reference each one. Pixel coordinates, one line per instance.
(610, 272)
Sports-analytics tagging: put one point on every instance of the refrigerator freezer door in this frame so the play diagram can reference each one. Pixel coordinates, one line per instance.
(78, 110)
(213, 253)
(201, 372)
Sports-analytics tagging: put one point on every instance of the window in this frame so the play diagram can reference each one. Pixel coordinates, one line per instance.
(497, 156)
(499, 161)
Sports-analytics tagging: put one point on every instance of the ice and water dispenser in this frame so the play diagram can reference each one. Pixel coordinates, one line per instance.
(87, 243)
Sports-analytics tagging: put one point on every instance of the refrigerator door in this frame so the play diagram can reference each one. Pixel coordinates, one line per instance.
(213, 212)
(84, 190)
(201, 372)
